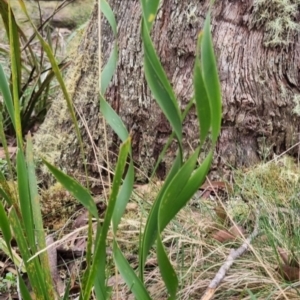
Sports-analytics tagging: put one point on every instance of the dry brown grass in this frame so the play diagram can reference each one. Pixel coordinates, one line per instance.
(267, 189)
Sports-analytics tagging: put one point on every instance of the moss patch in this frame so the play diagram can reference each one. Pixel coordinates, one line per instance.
(278, 18)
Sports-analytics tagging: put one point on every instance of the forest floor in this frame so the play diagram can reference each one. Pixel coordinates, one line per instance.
(248, 227)
(256, 214)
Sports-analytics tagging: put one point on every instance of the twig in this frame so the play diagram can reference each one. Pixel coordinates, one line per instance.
(234, 254)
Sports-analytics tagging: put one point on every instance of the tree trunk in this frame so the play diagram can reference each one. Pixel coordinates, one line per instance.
(258, 68)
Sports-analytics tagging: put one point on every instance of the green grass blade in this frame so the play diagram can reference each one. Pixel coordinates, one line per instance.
(109, 69)
(176, 186)
(24, 198)
(15, 57)
(109, 15)
(195, 181)
(151, 228)
(75, 188)
(5, 228)
(99, 282)
(5, 196)
(113, 119)
(34, 196)
(13, 34)
(38, 220)
(90, 241)
(202, 101)
(170, 139)
(123, 196)
(111, 65)
(5, 147)
(160, 86)
(4, 88)
(166, 269)
(33, 271)
(179, 191)
(169, 200)
(211, 80)
(99, 261)
(133, 282)
(34, 101)
(149, 9)
(67, 292)
(23, 289)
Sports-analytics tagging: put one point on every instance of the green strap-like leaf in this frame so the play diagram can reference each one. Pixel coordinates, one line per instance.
(24, 290)
(165, 212)
(5, 228)
(34, 274)
(123, 196)
(202, 101)
(38, 220)
(4, 88)
(99, 261)
(160, 86)
(151, 228)
(24, 198)
(211, 80)
(166, 269)
(131, 279)
(111, 65)
(149, 9)
(195, 181)
(75, 188)
(113, 119)
(15, 57)
(178, 183)
(7, 156)
(170, 139)
(5, 196)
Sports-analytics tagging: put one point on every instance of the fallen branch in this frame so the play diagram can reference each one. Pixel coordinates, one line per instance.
(233, 255)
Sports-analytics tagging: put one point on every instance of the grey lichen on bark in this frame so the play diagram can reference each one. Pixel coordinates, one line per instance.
(278, 19)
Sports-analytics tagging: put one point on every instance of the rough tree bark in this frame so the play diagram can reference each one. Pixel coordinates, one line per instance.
(259, 77)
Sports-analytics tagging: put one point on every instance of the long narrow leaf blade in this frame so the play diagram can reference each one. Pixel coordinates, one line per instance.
(75, 188)
(111, 65)
(151, 228)
(195, 181)
(15, 58)
(149, 9)
(23, 289)
(166, 269)
(38, 220)
(24, 248)
(123, 197)
(24, 197)
(165, 214)
(4, 88)
(131, 279)
(113, 119)
(160, 86)
(211, 79)
(5, 228)
(99, 261)
(202, 102)
(178, 183)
